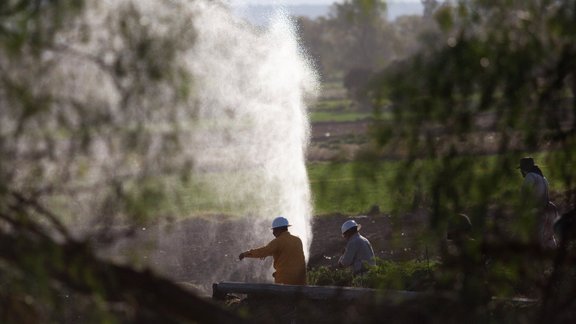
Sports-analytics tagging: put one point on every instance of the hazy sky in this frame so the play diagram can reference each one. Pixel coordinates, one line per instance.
(290, 2)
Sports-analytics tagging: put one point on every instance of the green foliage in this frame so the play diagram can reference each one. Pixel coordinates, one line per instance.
(406, 275)
(146, 200)
(325, 276)
(83, 97)
(481, 76)
(414, 275)
(358, 35)
(33, 24)
(93, 98)
(496, 84)
(445, 18)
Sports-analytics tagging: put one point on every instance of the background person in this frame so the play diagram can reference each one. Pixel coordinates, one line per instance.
(359, 253)
(535, 194)
(535, 185)
(288, 254)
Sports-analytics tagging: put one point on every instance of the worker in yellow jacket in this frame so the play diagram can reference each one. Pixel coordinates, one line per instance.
(288, 254)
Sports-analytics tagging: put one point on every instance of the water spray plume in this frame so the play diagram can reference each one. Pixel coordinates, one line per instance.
(147, 109)
(251, 89)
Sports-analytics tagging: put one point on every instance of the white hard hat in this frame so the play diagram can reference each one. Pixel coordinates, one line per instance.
(280, 222)
(348, 225)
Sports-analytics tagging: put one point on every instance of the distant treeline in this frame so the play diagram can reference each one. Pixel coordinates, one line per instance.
(357, 39)
(259, 14)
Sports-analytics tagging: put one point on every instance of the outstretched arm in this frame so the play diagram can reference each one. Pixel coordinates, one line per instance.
(262, 252)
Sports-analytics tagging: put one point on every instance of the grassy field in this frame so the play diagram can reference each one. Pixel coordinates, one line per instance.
(323, 116)
(334, 106)
(354, 187)
(344, 187)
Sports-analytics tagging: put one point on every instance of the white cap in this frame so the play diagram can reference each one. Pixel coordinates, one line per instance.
(280, 222)
(348, 225)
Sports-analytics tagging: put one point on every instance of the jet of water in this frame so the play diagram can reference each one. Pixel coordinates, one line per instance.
(252, 88)
(140, 88)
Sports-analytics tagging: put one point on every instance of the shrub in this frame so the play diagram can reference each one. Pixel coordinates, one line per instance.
(325, 276)
(405, 275)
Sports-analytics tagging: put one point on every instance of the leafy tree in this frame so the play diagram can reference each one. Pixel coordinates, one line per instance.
(362, 24)
(356, 40)
(496, 85)
(92, 100)
(353, 36)
(429, 7)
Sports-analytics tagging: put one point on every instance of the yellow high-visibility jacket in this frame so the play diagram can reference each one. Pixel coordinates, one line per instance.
(289, 261)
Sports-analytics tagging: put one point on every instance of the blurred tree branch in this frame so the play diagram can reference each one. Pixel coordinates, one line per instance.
(93, 97)
(497, 83)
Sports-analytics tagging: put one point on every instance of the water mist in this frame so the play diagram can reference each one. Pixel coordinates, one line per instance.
(252, 131)
(244, 133)
(153, 110)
